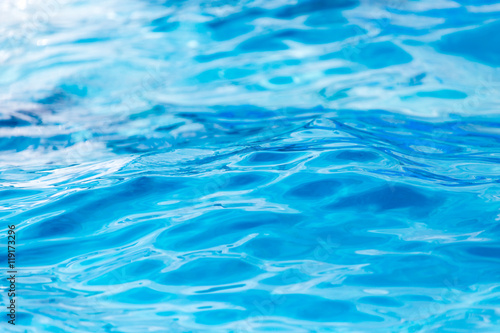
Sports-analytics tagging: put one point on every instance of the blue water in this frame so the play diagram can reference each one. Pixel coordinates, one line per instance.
(251, 166)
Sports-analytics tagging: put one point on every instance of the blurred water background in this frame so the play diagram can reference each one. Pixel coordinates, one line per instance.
(252, 166)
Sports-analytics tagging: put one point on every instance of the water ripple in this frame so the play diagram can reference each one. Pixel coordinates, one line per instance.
(251, 166)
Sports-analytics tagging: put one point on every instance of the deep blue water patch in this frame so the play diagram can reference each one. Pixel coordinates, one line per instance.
(481, 44)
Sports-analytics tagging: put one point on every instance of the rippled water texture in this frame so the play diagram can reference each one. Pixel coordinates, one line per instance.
(251, 166)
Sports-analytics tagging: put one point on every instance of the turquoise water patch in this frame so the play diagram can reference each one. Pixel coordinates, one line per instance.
(445, 93)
